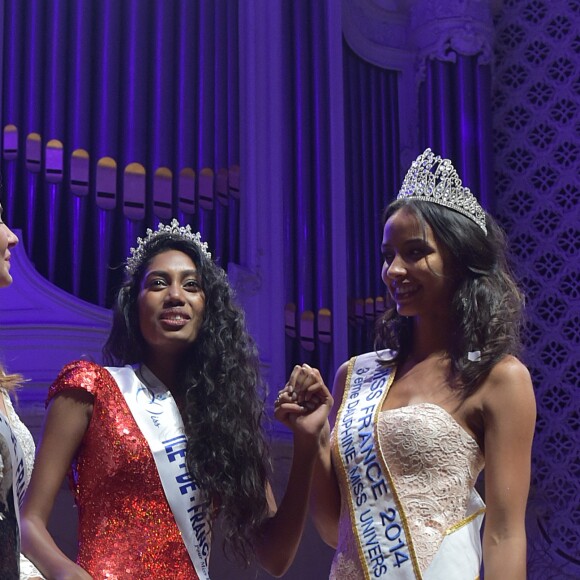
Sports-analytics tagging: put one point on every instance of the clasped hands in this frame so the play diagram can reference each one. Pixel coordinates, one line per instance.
(304, 403)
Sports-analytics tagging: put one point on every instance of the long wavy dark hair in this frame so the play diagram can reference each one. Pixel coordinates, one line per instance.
(224, 397)
(487, 307)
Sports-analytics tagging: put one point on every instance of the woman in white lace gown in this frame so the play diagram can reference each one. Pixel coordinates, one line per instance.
(394, 489)
(16, 451)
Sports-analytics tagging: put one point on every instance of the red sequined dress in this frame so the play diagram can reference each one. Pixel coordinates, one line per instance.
(126, 528)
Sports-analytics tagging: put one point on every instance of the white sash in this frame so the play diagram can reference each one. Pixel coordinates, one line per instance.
(380, 526)
(160, 422)
(17, 466)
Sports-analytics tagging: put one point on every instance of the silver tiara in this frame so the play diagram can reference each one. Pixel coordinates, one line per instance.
(431, 178)
(174, 229)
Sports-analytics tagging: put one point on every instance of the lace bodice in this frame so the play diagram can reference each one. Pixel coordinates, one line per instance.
(22, 434)
(434, 464)
(27, 570)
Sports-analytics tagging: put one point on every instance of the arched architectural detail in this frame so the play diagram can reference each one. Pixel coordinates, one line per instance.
(377, 31)
(441, 29)
(404, 35)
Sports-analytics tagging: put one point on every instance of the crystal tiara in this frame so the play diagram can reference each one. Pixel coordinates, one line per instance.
(432, 178)
(174, 229)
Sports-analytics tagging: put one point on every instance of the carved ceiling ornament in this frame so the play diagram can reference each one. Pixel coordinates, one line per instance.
(389, 32)
(402, 35)
(440, 29)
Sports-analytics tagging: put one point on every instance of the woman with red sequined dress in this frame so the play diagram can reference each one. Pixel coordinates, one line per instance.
(170, 439)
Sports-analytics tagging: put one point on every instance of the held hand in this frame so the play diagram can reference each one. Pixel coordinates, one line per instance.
(304, 403)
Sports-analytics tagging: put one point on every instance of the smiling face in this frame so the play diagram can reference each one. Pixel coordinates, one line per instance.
(7, 241)
(171, 304)
(416, 267)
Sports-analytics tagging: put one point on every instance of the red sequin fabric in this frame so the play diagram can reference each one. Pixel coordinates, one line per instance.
(126, 528)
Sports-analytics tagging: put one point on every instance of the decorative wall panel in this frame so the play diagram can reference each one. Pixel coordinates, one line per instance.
(536, 137)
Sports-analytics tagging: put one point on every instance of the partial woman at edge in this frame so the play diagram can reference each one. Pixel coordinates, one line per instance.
(16, 450)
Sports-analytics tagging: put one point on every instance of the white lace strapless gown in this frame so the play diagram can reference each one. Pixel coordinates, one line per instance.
(434, 463)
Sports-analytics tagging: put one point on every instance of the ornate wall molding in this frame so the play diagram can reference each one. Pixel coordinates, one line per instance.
(536, 111)
(392, 34)
(41, 329)
(378, 32)
(402, 35)
(441, 29)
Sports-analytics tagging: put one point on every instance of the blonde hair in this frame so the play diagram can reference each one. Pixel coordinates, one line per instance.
(10, 382)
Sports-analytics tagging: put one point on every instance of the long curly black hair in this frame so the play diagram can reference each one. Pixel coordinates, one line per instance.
(224, 396)
(487, 307)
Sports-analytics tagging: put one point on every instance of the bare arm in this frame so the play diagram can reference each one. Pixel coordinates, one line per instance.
(66, 422)
(280, 534)
(509, 419)
(325, 498)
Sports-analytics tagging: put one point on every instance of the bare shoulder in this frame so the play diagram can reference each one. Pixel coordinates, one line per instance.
(509, 386)
(511, 374)
(338, 389)
(510, 368)
(340, 377)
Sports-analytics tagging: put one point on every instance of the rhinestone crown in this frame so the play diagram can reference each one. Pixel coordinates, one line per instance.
(432, 178)
(174, 229)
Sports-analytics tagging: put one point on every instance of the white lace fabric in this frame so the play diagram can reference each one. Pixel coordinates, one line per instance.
(434, 464)
(27, 569)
